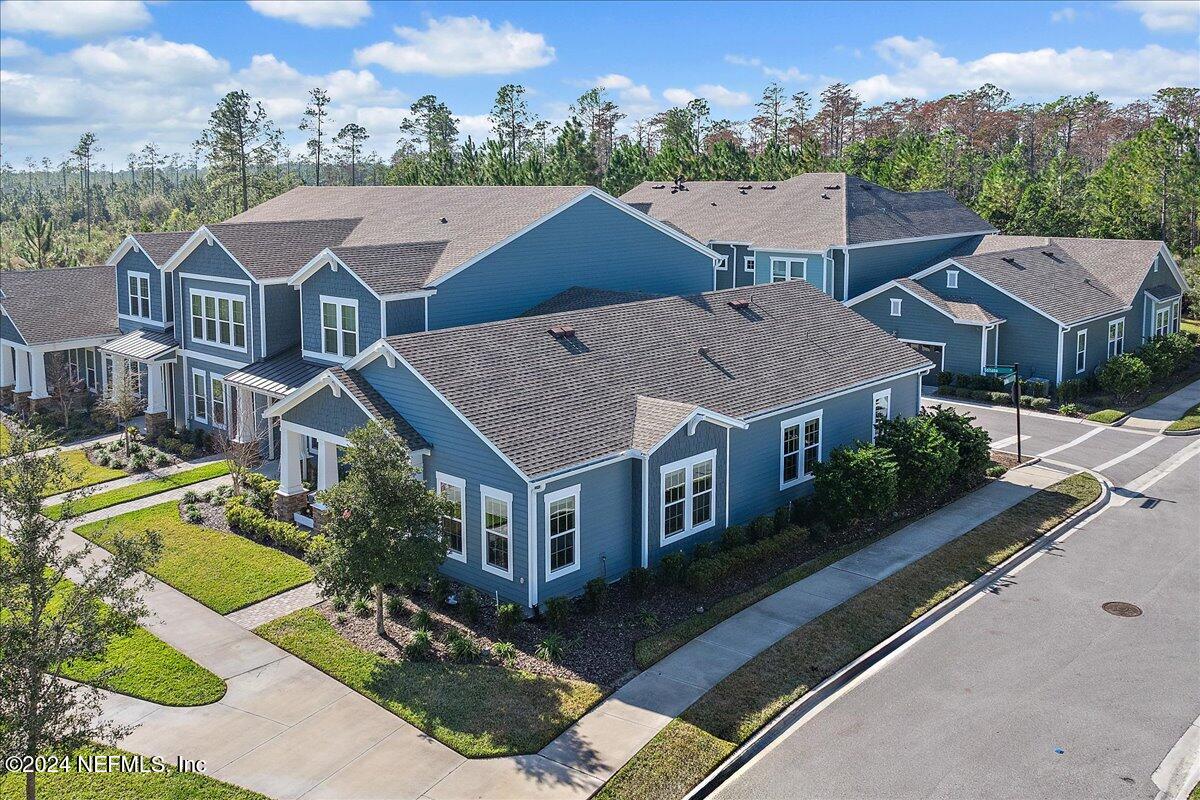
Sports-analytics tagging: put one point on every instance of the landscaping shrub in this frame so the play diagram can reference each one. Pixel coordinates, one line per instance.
(507, 617)
(996, 470)
(439, 589)
(192, 515)
(420, 620)
(703, 574)
(673, 567)
(190, 496)
(803, 510)
(761, 527)
(735, 536)
(558, 613)
(945, 378)
(1069, 410)
(1026, 401)
(339, 603)
(462, 648)
(948, 391)
(595, 592)
(702, 550)
(138, 462)
(468, 603)
(551, 648)
(856, 482)
(505, 651)
(927, 460)
(419, 647)
(640, 582)
(1036, 387)
(187, 450)
(361, 608)
(1040, 403)
(1070, 390)
(1124, 376)
(1000, 398)
(394, 606)
(259, 490)
(161, 460)
(783, 518)
(254, 524)
(972, 442)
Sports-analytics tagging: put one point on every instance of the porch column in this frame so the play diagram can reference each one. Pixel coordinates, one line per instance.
(37, 373)
(7, 373)
(22, 365)
(245, 428)
(155, 396)
(290, 497)
(327, 468)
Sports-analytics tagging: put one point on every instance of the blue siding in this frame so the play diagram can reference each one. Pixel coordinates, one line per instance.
(212, 260)
(183, 378)
(338, 284)
(405, 316)
(590, 244)
(8, 331)
(1140, 328)
(324, 412)
(707, 436)
(815, 271)
(919, 322)
(1096, 348)
(282, 317)
(137, 261)
(838, 275)
(736, 274)
(875, 266)
(457, 451)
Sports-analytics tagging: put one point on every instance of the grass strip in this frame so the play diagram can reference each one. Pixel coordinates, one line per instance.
(124, 782)
(1107, 417)
(136, 491)
(82, 473)
(222, 570)
(479, 710)
(1190, 420)
(739, 705)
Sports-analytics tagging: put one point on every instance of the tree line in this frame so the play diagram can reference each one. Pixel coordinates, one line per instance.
(1075, 166)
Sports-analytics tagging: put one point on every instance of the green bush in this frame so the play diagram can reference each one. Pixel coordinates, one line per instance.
(551, 648)
(1000, 398)
(192, 515)
(735, 536)
(462, 648)
(161, 460)
(439, 589)
(856, 482)
(1070, 390)
(254, 524)
(927, 460)
(259, 491)
(468, 604)
(673, 567)
(419, 647)
(1069, 410)
(595, 592)
(703, 574)
(187, 450)
(782, 518)
(394, 605)
(973, 443)
(803, 510)
(761, 527)
(361, 608)
(945, 378)
(507, 617)
(339, 603)
(702, 550)
(420, 620)
(505, 651)
(996, 470)
(641, 581)
(1040, 403)
(948, 391)
(1124, 376)
(558, 613)
(1036, 387)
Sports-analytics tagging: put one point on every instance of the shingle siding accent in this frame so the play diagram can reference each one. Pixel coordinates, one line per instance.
(919, 322)
(338, 284)
(324, 412)
(136, 261)
(405, 316)
(282, 317)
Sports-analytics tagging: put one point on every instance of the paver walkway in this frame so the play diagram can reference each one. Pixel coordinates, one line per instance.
(278, 606)
(137, 477)
(288, 730)
(1157, 416)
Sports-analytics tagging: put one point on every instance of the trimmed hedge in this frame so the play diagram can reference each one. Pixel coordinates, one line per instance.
(704, 573)
(254, 524)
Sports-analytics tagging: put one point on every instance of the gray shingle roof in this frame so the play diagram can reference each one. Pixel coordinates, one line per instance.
(476, 217)
(653, 419)
(549, 403)
(161, 246)
(378, 407)
(1163, 291)
(971, 312)
(56, 305)
(392, 268)
(808, 212)
(278, 375)
(578, 298)
(277, 249)
(142, 345)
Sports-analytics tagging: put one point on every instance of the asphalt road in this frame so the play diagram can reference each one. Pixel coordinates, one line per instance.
(982, 704)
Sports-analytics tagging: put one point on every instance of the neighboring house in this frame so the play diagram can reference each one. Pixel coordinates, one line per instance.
(48, 313)
(838, 232)
(1060, 307)
(582, 443)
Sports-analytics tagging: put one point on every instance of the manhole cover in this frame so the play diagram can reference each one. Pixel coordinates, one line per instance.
(1118, 609)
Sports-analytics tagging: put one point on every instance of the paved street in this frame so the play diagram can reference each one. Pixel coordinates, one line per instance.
(982, 705)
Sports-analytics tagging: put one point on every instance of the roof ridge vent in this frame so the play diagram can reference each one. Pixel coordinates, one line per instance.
(659, 186)
(1050, 254)
(562, 332)
(741, 304)
(835, 186)
(769, 186)
(747, 186)
(1011, 260)
(444, 220)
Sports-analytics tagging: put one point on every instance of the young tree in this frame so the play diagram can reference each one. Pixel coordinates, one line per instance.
(314, 122)
(350, 140)
(64, 384)
(50, 620)
(239, 138)
(382, 525)
(242, 451)
(37, 245)
(122, 397)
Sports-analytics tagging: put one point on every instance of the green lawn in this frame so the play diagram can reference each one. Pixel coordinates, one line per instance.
(82, 473)
(1190, 420)
(5, 439)
(739, 705)
(1108, 416)
(1192, 325)
(221, 570)
(126, 785)
(146, 488)
(479, 710)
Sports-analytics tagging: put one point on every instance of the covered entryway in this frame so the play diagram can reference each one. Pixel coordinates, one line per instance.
(935, 352)
(148, 356)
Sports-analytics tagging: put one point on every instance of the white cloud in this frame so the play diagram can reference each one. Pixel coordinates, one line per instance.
(920, 71)
(315, 13)
(781, 74)
(154, 59)
(13, 49)
(1165, 15)
(477, 126)
(714, 93)
(636, 99)
(1064, 14)
(460, 46)
(680, 97)
(79, 18)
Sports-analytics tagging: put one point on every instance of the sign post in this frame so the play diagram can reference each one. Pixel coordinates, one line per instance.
(1017, 403)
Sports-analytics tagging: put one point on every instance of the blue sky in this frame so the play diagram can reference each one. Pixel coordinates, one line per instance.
(135, 71)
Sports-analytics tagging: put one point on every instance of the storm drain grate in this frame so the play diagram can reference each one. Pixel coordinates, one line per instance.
(1119, 609)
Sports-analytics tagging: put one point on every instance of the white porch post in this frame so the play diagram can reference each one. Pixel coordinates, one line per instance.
(289, 462)
(327, 471)
(22, 363)
(245, 430)
(155, 396)
(37, 371)
(7, 367)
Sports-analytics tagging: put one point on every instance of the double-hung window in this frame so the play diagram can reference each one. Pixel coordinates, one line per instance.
(1116, 338)
(748, 263)
(1080, 351)
(199, 396)
(688, 496)
(1175, 317)
(219, 319)
(73, 364)
(453, 490)
(339, 326)
(881, 410)
(218, 401)
(799, 448)
(496, 530)
(562, 531)
(1162, 322)
(788, 269)
(89, 358)
(139, 294)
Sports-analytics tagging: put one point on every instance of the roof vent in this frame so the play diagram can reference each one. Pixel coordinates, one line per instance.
(562, 332)
(824, 196)
(1012, 261)
(747, 186)
(739, 305)
(444, 220)
(769, 186)
(742, 191)
(714, 205)
(1050, 254)
(658, 186)
(835, 186)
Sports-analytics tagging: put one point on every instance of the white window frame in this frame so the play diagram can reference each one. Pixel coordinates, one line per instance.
(199, 408)
(897, 306)
(688, 465)
(1175, 315)
(1116, 343)
(951, 279)
(748, 264)
(572, 493)
(73, 364)
(217, 297)
(1163, 328)
(886, 396)
(802, 468)
(338, 302)
(90, 371)
(1081, 351)
(215, 382)
(789, 272)
(486, 492)
(444, 479)
(131, 278)
(723, 264)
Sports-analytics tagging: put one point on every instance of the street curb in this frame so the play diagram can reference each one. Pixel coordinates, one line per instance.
(796, 712)
(1194, 432)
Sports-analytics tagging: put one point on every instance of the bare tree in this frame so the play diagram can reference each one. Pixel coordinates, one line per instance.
(62, 378)
(242, 451)
(122, 396)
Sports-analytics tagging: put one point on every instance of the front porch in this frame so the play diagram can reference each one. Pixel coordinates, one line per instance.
(149, 358)
(32, 375)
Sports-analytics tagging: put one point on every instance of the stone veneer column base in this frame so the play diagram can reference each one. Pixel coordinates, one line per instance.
(157, 424)
(318, 517)
(6, 395)
(286, 505)
(41, 403)
(21, 402)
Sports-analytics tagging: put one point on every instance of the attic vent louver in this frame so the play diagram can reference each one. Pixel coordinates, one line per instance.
(562, 332)
(739, 305)
(444, 220)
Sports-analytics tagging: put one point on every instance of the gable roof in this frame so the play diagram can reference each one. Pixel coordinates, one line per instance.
(578, 298)
(159, 247)
(377, 407)
(58, 305)
(548, 403)
(270, 250)
(969, 312)
(808, 212)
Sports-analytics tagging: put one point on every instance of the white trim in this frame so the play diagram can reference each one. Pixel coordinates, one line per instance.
(591, 191)
(983, 348)
(977, 276)
(688, 465)
(723, 264)
(340, 441)
(486, 492)
(728, 433)
(338, 302)
(531, 543)
(129, 273)
(262, 318)
(693, 419)
(896, 306)
(202, 234)
(1081, 349)
(885, 394)
(1115, 339)
(325, 358)
(951, 274)
(756, 415)
(547, 500)
(912, 239)
(150, 323)
(789, 274)
(893, 284)
(1165, 252)
(199, 356)
(247, 312)
(1062, 331)
(214, 278)
(213, 380)
(802, 475)
(461, 485)
(203, 375)
(127, 244)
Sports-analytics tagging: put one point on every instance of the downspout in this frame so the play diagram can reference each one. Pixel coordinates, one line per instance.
(531, 526)
(1058, 374)
(727, 430)
(646, 508)
(845, 273)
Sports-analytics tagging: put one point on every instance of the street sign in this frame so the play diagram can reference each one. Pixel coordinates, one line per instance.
(998, 369)
(1010, 379)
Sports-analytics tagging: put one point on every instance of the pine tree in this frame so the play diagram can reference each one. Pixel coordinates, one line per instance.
(511, 120)
(240, 138)
(350, 140)
(314, 123)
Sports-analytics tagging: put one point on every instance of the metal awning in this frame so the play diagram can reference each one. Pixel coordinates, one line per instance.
(142, 345)
(1163, 292)
(277, 376)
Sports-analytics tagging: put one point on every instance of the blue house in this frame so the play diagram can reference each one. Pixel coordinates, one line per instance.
(581, 443)
(840, 233)
(1060, 307)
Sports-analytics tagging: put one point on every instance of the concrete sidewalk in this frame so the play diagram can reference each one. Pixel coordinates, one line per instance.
(1157, 416)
